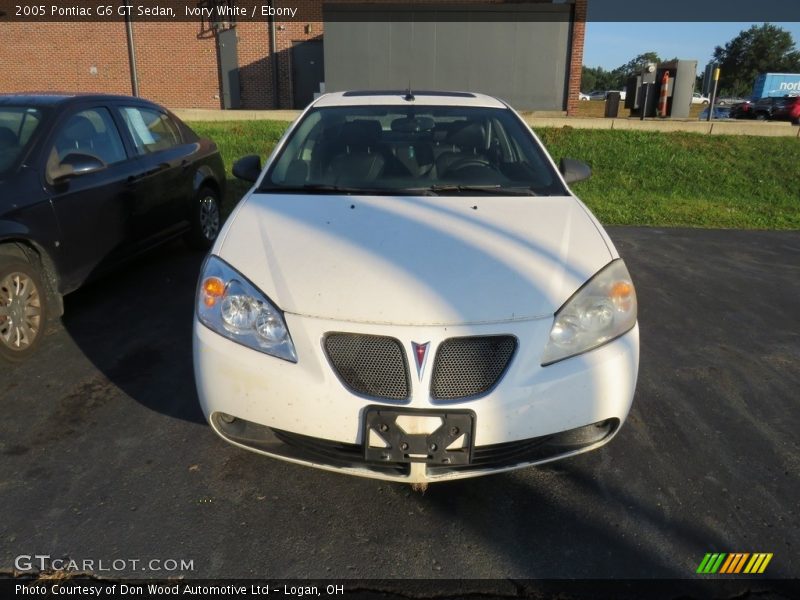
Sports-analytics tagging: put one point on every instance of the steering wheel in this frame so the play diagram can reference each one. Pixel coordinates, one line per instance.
(472, 161)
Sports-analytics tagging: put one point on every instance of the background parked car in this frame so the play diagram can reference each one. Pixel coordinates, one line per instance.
(698, 98)
(87, 181)
(720, 112)
(597, 95)
(582, 96)
(730, 100)
(743, 110)
(785, 108)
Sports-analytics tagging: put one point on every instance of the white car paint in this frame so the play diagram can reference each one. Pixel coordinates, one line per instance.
(418, 269)
(415, 261)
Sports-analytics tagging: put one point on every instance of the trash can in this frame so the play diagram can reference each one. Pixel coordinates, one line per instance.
(612, 104)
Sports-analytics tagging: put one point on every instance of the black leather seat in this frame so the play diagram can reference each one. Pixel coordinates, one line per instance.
(360, 159)
(463, 143)
(77, 136)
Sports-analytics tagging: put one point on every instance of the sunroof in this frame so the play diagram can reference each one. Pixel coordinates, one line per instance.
(404, 92)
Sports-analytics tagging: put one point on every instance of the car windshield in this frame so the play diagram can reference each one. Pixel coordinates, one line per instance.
(17, 124)
(430, 150)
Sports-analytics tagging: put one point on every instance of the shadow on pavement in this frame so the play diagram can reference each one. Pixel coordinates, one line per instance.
(135, 326)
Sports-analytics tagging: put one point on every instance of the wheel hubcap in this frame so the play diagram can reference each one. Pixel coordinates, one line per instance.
(20, 311)
(209, 217)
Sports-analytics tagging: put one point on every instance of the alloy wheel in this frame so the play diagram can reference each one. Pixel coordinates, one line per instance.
(20, 311)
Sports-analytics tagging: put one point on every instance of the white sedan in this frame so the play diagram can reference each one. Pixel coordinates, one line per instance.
(410, 291)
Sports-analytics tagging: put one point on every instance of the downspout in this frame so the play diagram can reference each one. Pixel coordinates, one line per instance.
(131, 50)
(273, 52)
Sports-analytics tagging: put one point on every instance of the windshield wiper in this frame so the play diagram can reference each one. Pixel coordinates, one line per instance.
(340, 189)
(497, 189)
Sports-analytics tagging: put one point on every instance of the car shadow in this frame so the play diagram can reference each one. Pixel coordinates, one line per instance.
(135, 326)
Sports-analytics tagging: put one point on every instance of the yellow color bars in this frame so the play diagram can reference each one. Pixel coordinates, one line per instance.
(736, 561)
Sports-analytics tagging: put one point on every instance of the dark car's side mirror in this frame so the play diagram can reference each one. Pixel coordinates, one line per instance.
(75, 164)
(574, 170)
(248, 167)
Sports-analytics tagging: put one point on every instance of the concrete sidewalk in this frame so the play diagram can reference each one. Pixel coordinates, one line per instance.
(758, 128)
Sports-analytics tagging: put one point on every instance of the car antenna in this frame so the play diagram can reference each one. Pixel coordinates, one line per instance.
(409, 96)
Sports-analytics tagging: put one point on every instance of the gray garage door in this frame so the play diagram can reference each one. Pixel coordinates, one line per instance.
(519, 53)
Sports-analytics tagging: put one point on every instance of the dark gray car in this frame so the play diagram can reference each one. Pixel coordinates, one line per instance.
(87, 181)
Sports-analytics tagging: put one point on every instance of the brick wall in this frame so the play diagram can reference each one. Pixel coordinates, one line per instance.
(70, 57)
(177, 62)
(576, 56)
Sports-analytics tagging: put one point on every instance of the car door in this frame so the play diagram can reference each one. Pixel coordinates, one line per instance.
(92, 208)
(166, 165)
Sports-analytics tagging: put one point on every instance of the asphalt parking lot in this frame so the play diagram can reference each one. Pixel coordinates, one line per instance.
(105, 454)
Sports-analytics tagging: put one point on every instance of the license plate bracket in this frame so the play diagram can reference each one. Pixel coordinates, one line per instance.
(433, 447)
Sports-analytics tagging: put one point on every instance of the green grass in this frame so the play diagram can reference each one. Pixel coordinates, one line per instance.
(685, 179)
(639, 178)
(236, 139)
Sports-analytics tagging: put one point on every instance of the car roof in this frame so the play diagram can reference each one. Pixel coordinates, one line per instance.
(59, 98)
(400, 98)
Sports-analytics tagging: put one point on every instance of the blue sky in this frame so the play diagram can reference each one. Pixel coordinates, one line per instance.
(610, 45)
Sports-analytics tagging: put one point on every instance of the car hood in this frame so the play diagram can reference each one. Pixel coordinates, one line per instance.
(415, 260)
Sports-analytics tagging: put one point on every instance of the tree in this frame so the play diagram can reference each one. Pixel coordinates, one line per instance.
(635, 65)
(761, 49)
(597, 78)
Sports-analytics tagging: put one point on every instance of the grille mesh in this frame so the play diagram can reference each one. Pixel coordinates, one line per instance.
(370, 365)
(469, 366)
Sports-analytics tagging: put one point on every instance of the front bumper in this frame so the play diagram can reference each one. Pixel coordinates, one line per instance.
(304, 414)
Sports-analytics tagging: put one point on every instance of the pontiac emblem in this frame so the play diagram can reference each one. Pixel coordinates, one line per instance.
(420, 356)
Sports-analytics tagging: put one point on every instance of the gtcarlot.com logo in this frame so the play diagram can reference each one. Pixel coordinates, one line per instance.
(44, 562)
(734, 563)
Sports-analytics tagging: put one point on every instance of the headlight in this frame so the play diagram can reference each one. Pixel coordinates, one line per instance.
(600, 311)
(234, 308)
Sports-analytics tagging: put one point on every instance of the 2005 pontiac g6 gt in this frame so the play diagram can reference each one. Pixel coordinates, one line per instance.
(411, 292)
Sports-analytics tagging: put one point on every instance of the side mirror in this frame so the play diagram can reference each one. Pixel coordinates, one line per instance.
(248, 167)
(574, 170)
(75, 164)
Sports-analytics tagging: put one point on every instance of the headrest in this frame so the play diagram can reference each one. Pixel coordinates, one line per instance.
(361, 132)
(79, 128)
(467, 136)
(8, 138)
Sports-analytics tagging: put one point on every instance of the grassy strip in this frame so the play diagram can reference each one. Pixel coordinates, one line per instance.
(685, 179)
(639, 177)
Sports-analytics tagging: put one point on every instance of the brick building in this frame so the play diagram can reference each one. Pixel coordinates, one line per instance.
(202, 63)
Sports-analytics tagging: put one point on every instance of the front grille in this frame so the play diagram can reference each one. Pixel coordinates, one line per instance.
(470, 366)
(532, 450)
(369, 365)
(337, 454)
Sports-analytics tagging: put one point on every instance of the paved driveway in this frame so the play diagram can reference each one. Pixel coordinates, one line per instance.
(105, 454)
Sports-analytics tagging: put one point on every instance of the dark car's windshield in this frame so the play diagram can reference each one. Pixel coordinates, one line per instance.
(17, 124)
(412, 149)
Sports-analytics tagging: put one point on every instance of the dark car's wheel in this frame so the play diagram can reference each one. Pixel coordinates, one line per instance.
(761, 117)
(23, 309)
(206, 219)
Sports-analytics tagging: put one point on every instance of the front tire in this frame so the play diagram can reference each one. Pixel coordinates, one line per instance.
(23, 309)
(206, 219)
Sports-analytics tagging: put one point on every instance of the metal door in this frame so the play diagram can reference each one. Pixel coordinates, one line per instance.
(308, 71)
(229, 67)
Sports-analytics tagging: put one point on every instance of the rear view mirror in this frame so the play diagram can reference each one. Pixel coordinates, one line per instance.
(413, 124)
(248, 167)
(574, 170)
(75, 164)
